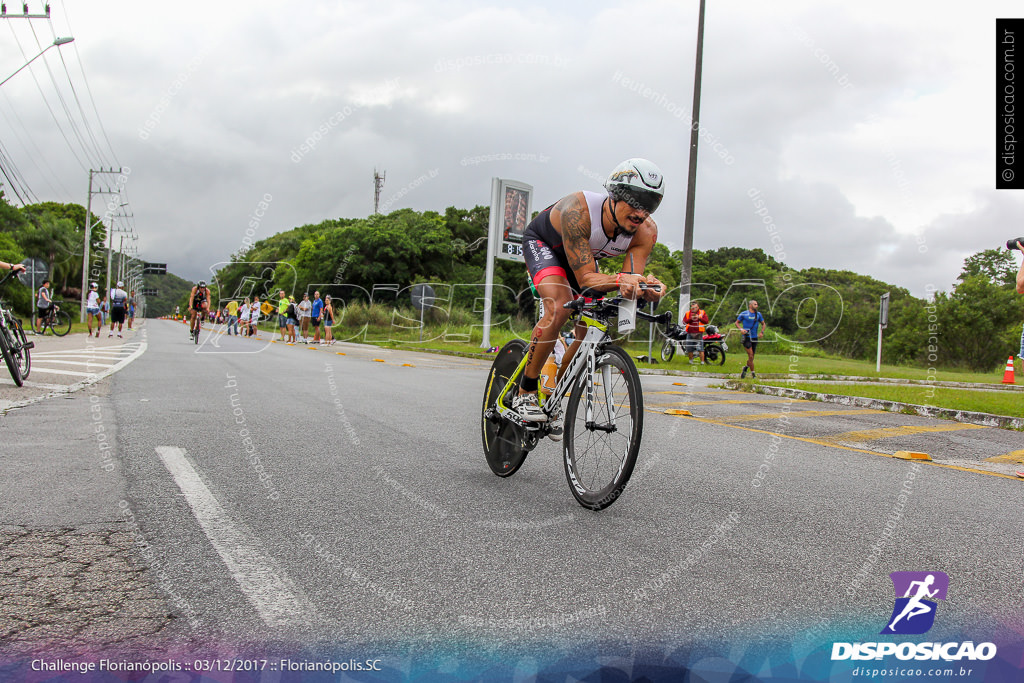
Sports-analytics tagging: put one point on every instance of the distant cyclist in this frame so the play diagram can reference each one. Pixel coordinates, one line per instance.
(198, 305)
(561, 247)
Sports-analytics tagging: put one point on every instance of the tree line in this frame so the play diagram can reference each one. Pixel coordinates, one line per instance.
(54, 233)
(974, 326)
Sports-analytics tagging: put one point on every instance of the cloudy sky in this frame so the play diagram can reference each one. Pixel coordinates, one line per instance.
(867, 129)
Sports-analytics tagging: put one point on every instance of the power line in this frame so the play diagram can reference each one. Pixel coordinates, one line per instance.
(64, 104)
(88, 90)
(36, 157)
(48, 107)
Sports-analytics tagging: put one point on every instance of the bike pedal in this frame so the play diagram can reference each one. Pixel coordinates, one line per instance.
(28, 345)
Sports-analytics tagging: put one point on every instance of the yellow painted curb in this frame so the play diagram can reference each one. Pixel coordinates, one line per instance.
(408, 365)
(911, 455)
(679, 384)
(338, 353)
(677, 411)
(378, 360)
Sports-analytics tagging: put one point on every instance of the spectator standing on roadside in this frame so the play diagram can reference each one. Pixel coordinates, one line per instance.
(103, 311)
(314, 313)
(131, 308)
(304, 309)
(92, 310)
(232, 309)
(695, 320)
(293, 318)
(328, 316)
(753, 325)
(118, 309)
(243, 316)
(254, 318)
(282, 314)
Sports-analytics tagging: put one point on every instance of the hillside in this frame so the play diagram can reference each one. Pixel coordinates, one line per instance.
(171, 291)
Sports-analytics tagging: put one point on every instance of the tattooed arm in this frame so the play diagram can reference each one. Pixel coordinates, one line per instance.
(638, 254)
(572, 218)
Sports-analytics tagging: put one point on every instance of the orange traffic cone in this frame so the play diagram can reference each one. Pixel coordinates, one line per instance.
(1008, 375)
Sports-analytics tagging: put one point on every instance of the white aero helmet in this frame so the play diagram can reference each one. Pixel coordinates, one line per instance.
(638, 182)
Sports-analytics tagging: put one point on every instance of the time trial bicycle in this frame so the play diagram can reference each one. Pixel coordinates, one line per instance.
(604, 412)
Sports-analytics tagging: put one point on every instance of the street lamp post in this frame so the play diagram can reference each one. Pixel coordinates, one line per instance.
(686, 271)
(110, 242)
(121, 255)
(55, 43)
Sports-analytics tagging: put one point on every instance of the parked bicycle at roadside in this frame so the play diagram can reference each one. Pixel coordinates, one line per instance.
(14, 346)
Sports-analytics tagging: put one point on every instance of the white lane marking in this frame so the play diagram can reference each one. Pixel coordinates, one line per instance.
(51, 371)
(77, 386)
(4, 379)
(122, 348)
(267, 587)
(51, 359)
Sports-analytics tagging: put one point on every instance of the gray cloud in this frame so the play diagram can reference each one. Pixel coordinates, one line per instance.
(859, 124)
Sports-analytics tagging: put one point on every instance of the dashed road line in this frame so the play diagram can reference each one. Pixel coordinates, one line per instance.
(1013, 456)
(753, 417)
(905, 430)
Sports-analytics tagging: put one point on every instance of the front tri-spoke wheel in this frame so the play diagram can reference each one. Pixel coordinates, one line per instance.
(602, 431)
(503, 440)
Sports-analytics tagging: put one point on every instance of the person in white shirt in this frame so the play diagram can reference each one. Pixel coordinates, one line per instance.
(304, 307)
(254, 317)
(243, 317)
(92, 309)
(118, 309)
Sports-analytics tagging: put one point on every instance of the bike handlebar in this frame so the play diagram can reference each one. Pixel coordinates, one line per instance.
(7, 277)
(609, 306)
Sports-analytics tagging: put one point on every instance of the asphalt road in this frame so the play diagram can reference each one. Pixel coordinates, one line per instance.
(338, 497)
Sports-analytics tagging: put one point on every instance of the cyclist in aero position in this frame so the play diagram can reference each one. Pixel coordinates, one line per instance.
(561, 247)
(198, 304)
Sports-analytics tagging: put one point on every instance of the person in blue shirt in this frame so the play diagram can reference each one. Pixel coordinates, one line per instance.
(753, 325)
(314, 320)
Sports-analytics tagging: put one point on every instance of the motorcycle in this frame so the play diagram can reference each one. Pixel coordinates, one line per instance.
(714, 344)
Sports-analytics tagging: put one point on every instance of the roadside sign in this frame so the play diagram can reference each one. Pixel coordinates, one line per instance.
(422, 296)
(35, 272)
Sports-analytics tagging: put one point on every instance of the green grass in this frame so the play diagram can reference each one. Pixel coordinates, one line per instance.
(995, 402)
(818, 364)
(462, 333)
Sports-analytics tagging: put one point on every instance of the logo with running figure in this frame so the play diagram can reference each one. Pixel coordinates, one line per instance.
(916, 592)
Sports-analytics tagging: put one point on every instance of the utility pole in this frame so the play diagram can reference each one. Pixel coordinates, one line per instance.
(378, 185)
(686, 275)
(89, 225)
